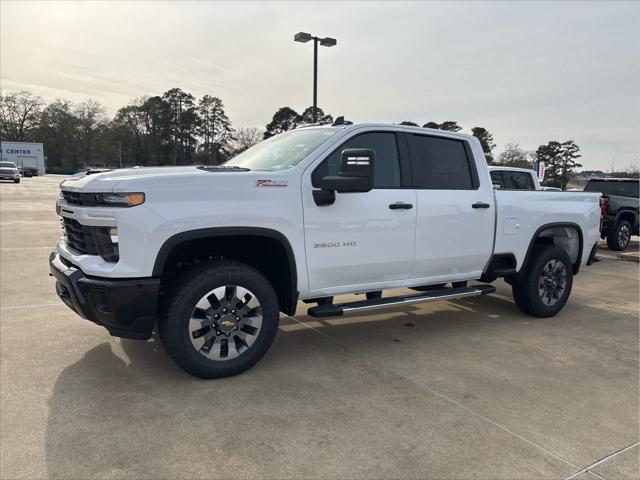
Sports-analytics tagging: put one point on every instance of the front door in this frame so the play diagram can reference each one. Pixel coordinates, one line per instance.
(361, 239)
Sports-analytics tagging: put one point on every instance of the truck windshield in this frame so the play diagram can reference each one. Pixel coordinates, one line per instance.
(7, 165)
(625, 188)
(282, 151)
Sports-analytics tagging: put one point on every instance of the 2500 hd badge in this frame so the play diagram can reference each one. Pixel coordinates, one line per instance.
(334, 244)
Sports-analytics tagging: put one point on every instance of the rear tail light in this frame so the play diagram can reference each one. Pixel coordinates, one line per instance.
(604, 201)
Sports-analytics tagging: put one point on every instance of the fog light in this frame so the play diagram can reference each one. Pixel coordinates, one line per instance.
(113, 232)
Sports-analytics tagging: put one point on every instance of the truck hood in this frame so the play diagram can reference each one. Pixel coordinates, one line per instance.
(108, 180)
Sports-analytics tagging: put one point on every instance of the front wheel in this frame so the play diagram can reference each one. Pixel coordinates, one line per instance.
(618, 239)
(17, 180)
(547, 282)
(220, 320)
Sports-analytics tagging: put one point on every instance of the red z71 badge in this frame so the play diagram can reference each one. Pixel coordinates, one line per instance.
(271, 183)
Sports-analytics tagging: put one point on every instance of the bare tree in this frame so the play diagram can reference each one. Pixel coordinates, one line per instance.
(19, 114)
(514, 156)
(247, 138)
(91, 118)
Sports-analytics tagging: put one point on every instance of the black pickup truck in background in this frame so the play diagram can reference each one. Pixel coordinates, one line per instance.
(620, 207)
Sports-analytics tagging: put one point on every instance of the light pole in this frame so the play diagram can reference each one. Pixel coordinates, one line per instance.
(303, 37)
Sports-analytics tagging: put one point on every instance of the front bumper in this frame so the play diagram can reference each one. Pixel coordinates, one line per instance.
(9, 177)
(125, 307)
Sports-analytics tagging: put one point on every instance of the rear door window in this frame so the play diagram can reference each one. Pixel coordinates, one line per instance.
(440, 163)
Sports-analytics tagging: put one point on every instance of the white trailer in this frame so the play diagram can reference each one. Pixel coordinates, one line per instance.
(24, 154)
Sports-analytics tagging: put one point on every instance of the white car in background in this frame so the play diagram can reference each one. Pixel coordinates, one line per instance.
(9, 171)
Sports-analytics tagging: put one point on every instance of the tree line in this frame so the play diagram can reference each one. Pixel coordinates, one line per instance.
(175, 128)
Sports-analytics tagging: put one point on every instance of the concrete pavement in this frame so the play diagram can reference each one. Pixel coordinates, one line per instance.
(462, 389)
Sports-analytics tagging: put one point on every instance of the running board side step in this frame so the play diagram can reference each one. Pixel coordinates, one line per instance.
(338, 310)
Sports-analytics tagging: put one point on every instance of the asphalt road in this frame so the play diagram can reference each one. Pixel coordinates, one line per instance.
(452, 390)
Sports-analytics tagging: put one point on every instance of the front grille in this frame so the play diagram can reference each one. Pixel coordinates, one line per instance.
(82, 199)
(89, 240)
(79, 237)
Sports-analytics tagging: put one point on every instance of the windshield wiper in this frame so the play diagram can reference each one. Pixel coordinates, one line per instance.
(223, 168)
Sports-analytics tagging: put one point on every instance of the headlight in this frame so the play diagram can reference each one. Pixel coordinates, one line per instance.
(120, 199)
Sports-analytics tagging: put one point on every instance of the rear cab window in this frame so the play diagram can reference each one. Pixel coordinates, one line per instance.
(518, 181)
(512, 180)
(497, 178)
(624, 188)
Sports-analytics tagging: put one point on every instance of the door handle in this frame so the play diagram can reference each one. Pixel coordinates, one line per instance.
(480, 205)
(400, 206)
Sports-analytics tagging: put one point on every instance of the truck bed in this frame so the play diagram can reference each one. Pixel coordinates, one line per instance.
(519, 213)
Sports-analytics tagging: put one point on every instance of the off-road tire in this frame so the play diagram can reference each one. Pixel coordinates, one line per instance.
(526, 292)
(173, 324)
(618, 238)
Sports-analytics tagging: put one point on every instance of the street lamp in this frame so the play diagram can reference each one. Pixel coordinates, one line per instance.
(303, 37)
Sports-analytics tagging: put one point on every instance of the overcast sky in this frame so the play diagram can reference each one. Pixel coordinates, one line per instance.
(528, 72)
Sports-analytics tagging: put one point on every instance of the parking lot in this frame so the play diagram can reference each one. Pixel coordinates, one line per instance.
(451, 390)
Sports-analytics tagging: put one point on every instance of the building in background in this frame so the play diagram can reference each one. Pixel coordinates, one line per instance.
(24, 154)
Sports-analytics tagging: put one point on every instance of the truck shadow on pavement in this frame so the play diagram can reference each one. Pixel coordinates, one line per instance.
(124, 408)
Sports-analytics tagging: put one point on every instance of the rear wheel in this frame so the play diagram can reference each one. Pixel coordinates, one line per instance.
(618, 239)
(220, 319)
(547, 282)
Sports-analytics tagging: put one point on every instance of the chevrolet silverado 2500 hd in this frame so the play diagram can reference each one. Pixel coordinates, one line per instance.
(211, 256)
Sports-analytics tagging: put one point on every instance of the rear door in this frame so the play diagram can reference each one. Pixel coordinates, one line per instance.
(456, 210)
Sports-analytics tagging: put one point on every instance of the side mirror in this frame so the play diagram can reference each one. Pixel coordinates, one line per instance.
(356, 172)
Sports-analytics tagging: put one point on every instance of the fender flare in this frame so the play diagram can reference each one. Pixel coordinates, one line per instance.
(175, 240)
(532, 242)
(627, 211)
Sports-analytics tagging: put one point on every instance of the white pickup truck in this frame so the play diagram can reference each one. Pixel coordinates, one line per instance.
(210, 256)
